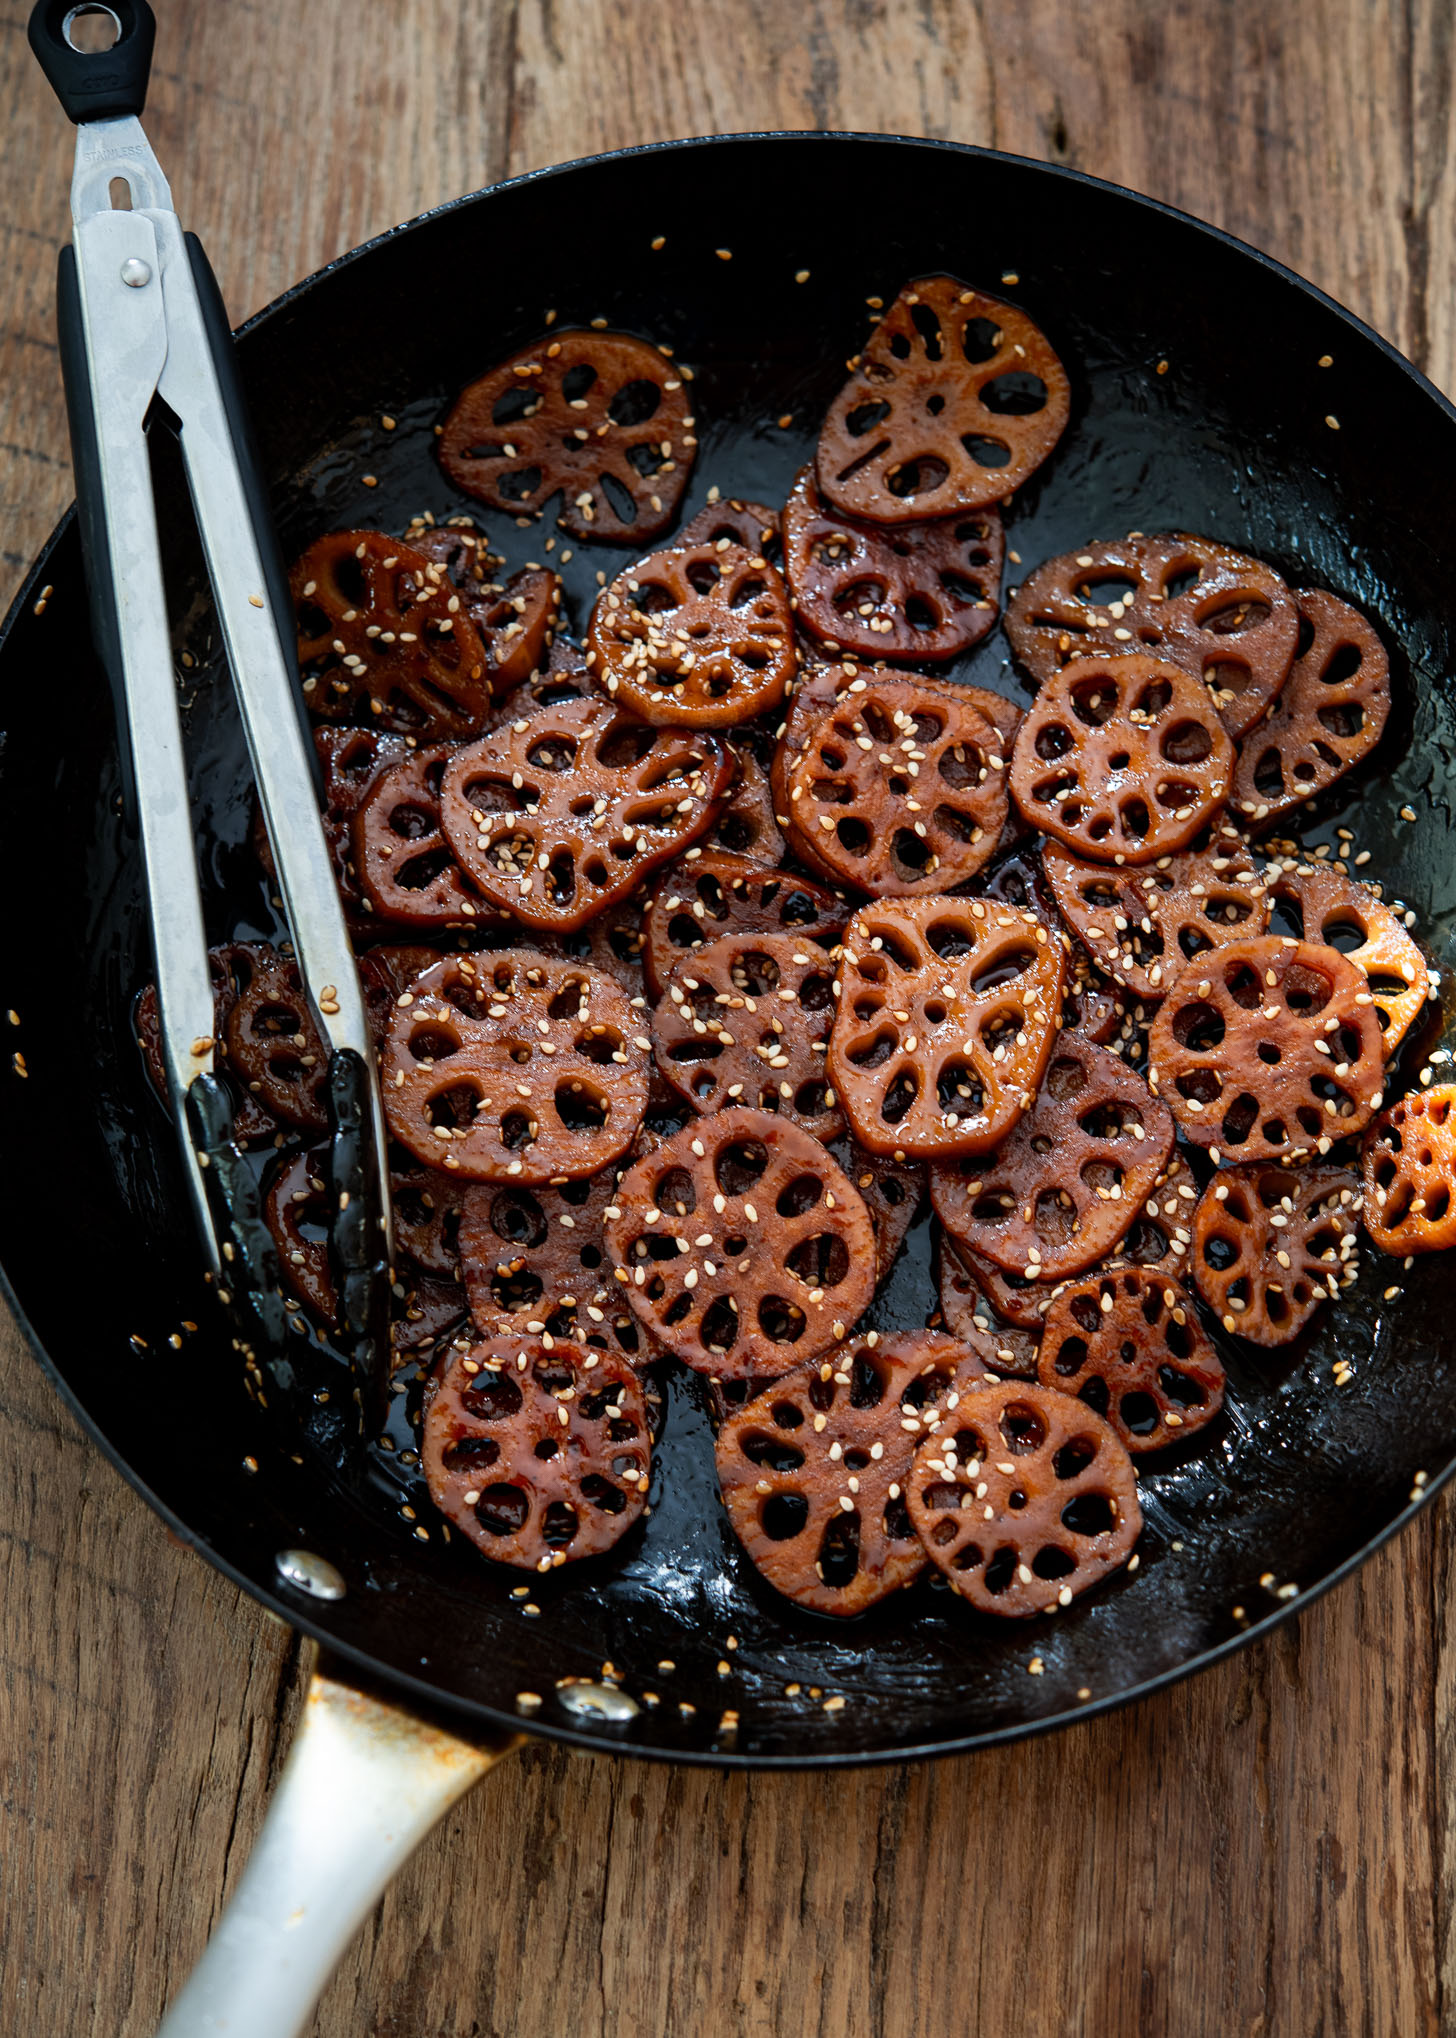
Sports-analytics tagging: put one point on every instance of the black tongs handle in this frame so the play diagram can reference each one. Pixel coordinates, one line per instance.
(95, 84)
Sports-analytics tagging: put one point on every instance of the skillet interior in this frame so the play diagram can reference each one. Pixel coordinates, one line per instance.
(1297, 1478)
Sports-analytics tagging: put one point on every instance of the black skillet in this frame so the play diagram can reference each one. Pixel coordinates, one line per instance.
(1299, 1481)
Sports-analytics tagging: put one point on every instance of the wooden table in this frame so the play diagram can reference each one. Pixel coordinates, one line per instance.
(1264, 1851)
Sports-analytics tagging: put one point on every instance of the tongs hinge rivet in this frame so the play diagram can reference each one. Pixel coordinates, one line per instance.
(135, 272)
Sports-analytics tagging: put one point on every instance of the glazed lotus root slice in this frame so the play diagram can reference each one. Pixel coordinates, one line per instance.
(714, 894)
(1024, 1500)
(1141, 925)
(1409, 1168)
(893, 1192)
(947, 1014)
(230, 965)
(1128, 1343)
(813, 1470)
(1272, 1243)
(1268, 1050)
(515, 1067)
(1341, 912)
(1004, 1346)
(900, 791)
(599, 418)
(534, 1262)
(694, 637)
(745, 1021)
(272, 1039)
(926, 590)
(745, 824)
(1328, 718)
(1121, 759)
(753, 525)
(406, 869)
(295, 1211)
(957, 399)
(742, 1246)
(350, 760)
(539, 1453)
(384, 637)
(553, 818)
(1068, 1182)
(1228, 619)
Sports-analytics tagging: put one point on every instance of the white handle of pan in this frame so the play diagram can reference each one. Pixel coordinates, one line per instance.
(363, 1784)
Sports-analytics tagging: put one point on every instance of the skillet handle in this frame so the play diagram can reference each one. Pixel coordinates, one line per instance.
(363, 1783)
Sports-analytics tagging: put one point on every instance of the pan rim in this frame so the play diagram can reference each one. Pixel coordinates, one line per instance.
(604, 1739)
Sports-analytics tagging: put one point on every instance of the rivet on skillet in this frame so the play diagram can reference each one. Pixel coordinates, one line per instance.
(315, 1575)
(599, 1701)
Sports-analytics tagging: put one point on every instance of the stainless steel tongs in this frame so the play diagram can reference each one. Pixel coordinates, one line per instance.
(144, 339)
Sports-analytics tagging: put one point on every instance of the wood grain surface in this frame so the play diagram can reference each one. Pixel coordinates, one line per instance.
(1264, 1851)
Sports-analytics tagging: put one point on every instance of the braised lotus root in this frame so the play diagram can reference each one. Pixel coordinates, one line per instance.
(945, 1022)
(713, 894)
(900, 791)
(538, 1453)
(349, 762)
(515, 1067)
(956, 401)
(968, 1313)
(694, 637)
(1068, 1182)
(1141, 925)
(535, 1261)
(428, 1204)
(1268, 1050)
(1121, 759)
(599, 418)
(742, 1246)
(1410, 1173)
(562, 677)
(383, 973)
(1333, 908)
(515, 619)
(432, 1313)
(745, 824)
(230, 964)
(295, 1210)
(745, 1021)
(1329, 717)
(923, 590)
(383, 636)
(1226, 618)
(611, 940)
(1128, 1342)
(1025, 1499)
(273, 1041)
(554, 818)
(813, 1470)
(1271, 1243)
(753, 525)
(892, 1190)
(406, 869)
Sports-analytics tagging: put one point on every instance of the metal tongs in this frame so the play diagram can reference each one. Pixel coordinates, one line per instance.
(145, 341)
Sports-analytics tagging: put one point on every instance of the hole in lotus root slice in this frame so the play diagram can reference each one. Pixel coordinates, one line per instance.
(1128, 1343)
(1121, 759)
(742, 1246)
(1328, 718)
(744, 1021)
(745, 825)
(599, 418)
(406, 869)
(1269, 1050)
(515, 1066)
(1272, 1243)
(539, 1453)
(1005, 1347)
(231, 964)
(272, 1039)
(1062, 1189)
(1224, 617)
(900, 791)
(813, 1470)
(714, 894)
(1143, 925)
(379, 642)
(753, 525)
(556, 816)
(295, 1209)
(534, 1263)
(893, 1193)
(1342, 913)
(947, 1015)
(1024, 1500)
(1409, 1172)
(958, 397)
(694, 637)
(925, 590)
